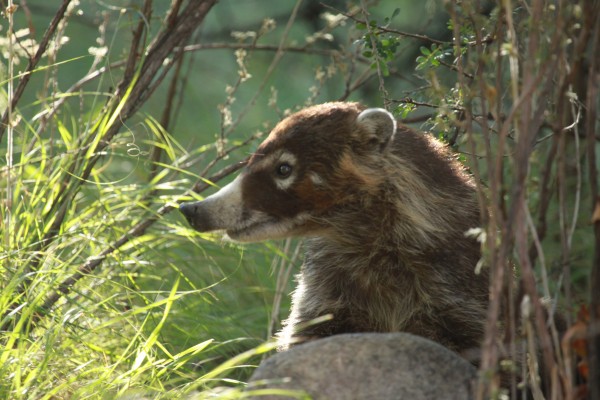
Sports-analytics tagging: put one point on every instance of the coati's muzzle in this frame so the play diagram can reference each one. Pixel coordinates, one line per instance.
(221, 211)
(225, 211)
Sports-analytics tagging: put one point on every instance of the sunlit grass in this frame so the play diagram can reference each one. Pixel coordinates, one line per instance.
(165, 314)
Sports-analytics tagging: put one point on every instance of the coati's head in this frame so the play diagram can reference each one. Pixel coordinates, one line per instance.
(311, 163)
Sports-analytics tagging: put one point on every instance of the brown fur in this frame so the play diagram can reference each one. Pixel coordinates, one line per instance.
(385, 221)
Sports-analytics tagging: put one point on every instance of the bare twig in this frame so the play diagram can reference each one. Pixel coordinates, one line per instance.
(7, 205)
(388, 30)
(260, 47)
(46, 115)
(60, 13)
(492, 222)
(408, 100)
(134, 48)
(161, 47)
(165, 119)
(361, 80)
(496, 257)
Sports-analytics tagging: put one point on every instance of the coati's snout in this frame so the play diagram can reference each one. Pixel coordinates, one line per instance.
(221, 211)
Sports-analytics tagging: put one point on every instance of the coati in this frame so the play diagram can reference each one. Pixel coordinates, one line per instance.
(384, 210)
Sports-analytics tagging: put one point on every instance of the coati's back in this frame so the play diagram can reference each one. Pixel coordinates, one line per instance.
(385, 210)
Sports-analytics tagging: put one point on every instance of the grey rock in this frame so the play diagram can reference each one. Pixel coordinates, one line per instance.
(367, 366)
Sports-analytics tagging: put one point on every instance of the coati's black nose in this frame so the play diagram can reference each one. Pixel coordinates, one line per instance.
(189, 210)
(198, 215)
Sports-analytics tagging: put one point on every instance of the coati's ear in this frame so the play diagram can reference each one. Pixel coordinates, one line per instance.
(379, 126)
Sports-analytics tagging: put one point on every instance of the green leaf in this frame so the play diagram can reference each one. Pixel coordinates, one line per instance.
(384, 68)
(65, 135)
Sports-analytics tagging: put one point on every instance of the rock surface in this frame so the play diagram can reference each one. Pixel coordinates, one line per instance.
(367, 366)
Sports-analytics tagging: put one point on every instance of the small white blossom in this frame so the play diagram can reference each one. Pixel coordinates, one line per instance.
(226, 117)
(320, 74)
(98, 52)
(267, 26)
(334, 19)
(241, 36)
(240, 57)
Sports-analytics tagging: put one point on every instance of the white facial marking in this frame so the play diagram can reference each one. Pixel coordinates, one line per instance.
(316, 179)
(261, 226)
(232, 192)
(225, 206)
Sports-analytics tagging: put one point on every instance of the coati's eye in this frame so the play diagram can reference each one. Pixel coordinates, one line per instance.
(284, 170)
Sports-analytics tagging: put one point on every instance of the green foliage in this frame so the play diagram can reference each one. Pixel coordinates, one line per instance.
(379, 47)
(404, 109)
(432, 56)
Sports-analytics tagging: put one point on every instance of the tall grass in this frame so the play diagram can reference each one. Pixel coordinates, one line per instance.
(102, 336)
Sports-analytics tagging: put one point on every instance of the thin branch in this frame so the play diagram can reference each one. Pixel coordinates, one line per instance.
(7, 207)
(136, 41)
(545, 197)
(225, 154)
(360, 81)
(46, 115)
(33, 63)
(408, 100)
(492, 222)
(260, 47)
(156, 152)
(388, 30)
(158, 51)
